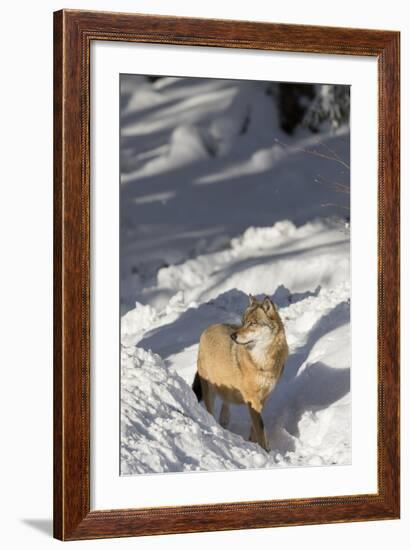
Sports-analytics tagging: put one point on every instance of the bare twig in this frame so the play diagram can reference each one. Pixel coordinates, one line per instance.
(339, 187)
(335, 155)
(315, 153)
(336, 205)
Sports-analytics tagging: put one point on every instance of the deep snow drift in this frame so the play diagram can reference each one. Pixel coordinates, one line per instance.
(216, 203)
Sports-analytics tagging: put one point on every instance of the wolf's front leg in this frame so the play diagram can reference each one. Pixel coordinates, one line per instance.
(258, 428)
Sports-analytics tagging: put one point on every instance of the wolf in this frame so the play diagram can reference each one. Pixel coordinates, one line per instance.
(242, 364)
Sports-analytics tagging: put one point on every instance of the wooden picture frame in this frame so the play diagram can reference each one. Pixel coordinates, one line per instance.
(73, 33)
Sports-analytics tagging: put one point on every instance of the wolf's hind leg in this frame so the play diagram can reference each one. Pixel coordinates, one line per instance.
(252, 435)
(208, 396)
(224, 415)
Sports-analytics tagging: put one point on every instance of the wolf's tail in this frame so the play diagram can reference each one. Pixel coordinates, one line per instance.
(197, 386)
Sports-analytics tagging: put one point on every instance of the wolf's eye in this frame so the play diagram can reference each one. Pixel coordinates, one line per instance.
(253, 324)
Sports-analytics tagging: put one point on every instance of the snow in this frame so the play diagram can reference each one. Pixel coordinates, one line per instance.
(307, 418)
(203, 162)
(216, 203)
(164, 427)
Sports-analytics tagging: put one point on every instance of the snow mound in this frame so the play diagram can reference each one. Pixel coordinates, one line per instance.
(305, 257)
(264, 237)
(164, 427)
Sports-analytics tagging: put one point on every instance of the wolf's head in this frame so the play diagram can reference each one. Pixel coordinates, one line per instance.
(260, 323)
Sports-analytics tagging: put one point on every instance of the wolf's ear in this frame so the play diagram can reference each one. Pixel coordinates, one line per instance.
(252, 300)
(268, 306)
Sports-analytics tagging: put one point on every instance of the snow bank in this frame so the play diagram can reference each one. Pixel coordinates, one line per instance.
(307, 417)
(164, 429)
(262, 258)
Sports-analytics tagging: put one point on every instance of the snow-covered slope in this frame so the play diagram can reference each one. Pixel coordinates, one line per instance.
(307, 417)
(217, 202)
(164, 429)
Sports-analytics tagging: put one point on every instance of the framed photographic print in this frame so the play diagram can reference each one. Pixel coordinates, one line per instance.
(226, 275)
